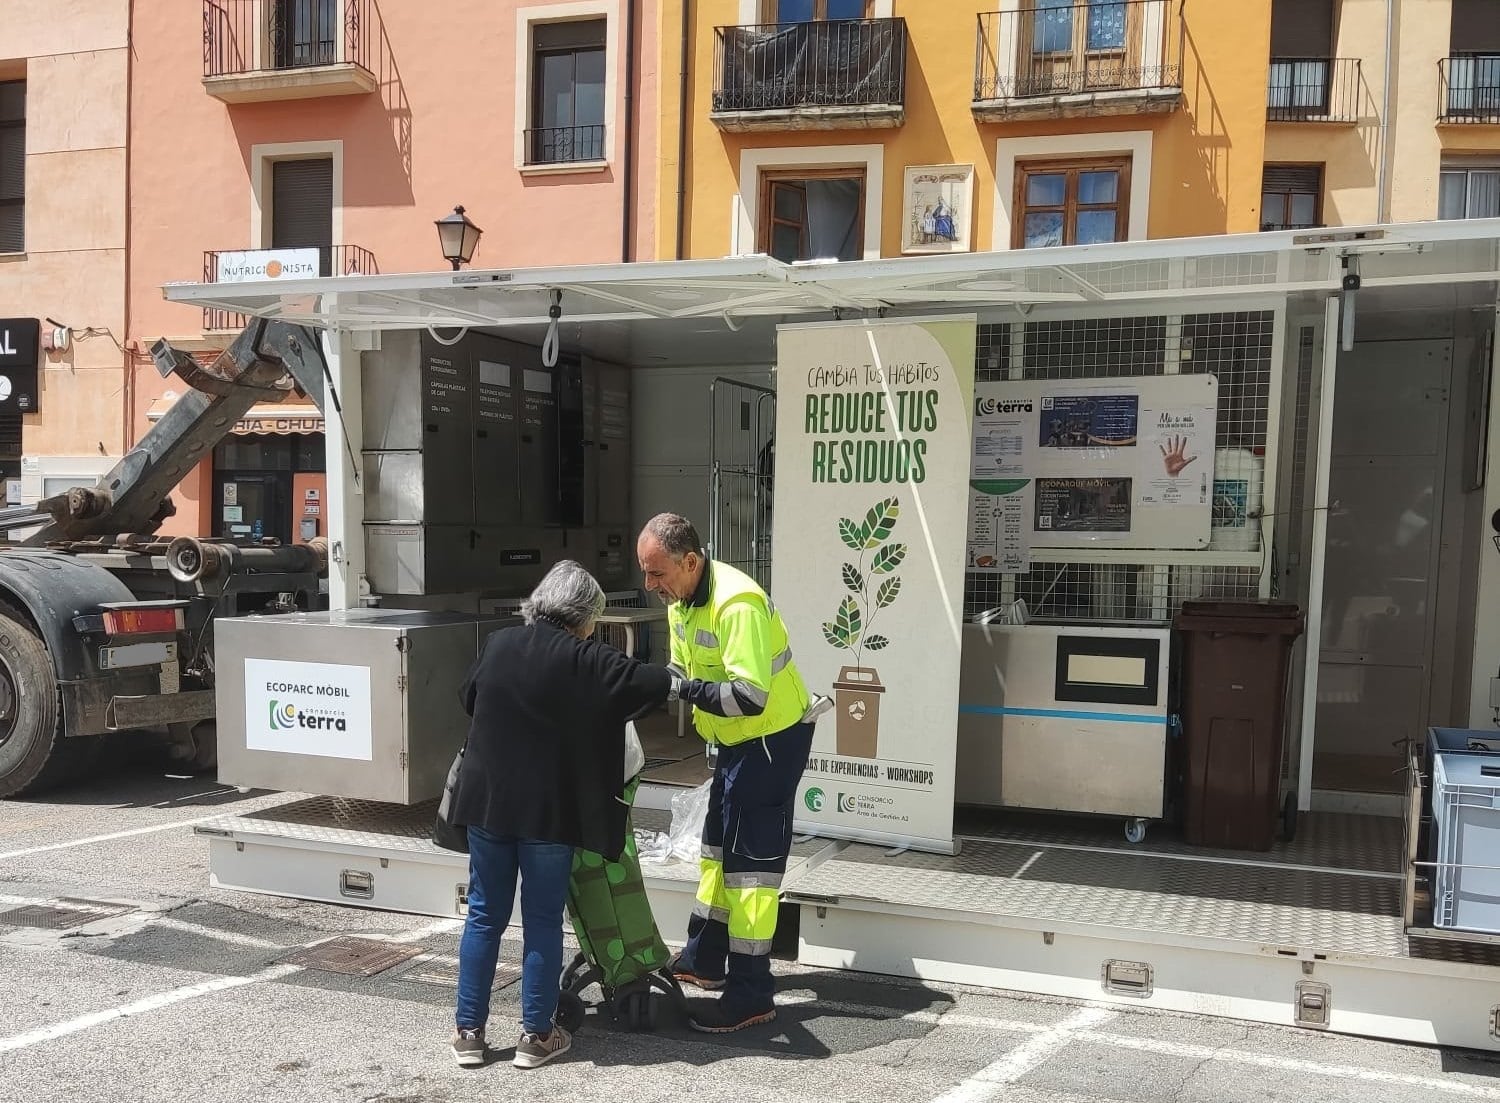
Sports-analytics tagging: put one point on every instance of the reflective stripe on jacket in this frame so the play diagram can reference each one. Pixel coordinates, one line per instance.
(758, 662)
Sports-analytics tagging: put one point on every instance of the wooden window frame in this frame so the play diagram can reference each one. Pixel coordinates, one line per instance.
(1072, 167)
(767, 221)
(768, 12)
(1286, 195)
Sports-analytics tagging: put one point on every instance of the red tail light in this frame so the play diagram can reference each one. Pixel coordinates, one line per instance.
(142, 622)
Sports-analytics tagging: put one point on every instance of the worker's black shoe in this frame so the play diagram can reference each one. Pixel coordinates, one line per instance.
(725, 1017)
(675, 970)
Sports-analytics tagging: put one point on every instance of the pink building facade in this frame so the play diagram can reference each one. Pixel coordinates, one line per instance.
(275, 135)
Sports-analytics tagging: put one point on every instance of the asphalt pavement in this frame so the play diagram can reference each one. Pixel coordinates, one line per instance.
(149, 984)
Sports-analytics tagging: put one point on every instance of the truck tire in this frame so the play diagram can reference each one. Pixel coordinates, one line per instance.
(34, 755)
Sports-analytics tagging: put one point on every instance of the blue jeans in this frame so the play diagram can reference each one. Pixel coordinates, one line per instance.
(544, 868)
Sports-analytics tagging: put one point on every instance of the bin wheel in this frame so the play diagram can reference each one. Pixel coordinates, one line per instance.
(1289, 817)
(637, 1008)
(570, 1011)
(1135, 830)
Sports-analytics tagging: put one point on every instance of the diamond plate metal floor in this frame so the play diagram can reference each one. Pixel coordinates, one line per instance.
(338, 822)
(1324, 840)
(1265, 904)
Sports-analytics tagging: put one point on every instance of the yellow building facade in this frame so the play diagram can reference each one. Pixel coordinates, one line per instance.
(1020, 120)
(877, 128)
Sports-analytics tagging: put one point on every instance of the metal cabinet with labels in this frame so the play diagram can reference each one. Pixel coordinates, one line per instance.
(1066, 719)
(359, 703)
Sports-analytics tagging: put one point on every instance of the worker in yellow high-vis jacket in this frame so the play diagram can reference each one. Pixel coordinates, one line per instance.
(729, 648)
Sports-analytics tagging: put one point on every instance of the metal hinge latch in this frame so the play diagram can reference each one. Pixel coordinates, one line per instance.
(1313, 1004)
(1127, 978)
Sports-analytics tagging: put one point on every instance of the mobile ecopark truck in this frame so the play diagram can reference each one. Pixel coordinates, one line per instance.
(997, 480)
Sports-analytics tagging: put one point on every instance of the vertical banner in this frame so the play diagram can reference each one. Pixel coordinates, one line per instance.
(872, 497)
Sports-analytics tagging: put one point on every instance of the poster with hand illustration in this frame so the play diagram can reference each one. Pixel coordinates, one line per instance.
(874, 430)
(1125, 463)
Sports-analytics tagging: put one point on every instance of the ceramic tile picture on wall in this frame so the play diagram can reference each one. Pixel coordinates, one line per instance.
(938, 208)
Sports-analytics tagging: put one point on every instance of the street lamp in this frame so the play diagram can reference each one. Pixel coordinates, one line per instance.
(457, 237)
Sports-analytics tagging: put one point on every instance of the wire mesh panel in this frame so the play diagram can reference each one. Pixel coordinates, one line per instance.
(1235, 347)
(742, 457)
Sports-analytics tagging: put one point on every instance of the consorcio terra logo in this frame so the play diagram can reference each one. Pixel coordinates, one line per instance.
(283, 717)
(846, 802)
(813, 798)
(286, 717)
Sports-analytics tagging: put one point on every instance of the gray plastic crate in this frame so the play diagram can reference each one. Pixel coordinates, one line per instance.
(1466, 821)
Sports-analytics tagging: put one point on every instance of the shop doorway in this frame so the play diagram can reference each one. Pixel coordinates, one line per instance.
(1378, 682)
(261, 487)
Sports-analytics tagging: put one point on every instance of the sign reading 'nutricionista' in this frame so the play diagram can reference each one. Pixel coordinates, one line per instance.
(870, 423)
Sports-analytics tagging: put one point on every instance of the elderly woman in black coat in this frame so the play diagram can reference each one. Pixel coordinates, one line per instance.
(542, 775)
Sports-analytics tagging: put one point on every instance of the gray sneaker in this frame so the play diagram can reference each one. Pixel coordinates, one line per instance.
(535, 1050)
(468, 1047)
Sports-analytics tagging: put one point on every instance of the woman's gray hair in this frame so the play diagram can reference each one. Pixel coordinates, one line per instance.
(568, 595)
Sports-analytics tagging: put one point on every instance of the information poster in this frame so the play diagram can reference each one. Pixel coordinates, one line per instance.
(873, 441)
(1126, 463)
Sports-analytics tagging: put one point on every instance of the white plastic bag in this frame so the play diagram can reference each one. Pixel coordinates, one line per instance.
(652, 846)
(689, 810)
(635, 756)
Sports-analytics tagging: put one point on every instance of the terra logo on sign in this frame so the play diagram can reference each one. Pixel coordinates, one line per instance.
(285, 717)
(846, 802)
(813, 798)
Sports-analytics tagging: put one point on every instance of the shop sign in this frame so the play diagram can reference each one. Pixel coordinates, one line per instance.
(873, 433)
(279, 424)
(20, 353)
(267, 264)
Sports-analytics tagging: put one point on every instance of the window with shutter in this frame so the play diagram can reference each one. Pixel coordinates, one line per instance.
(302, 206)
(1291, 197)
(12, 166)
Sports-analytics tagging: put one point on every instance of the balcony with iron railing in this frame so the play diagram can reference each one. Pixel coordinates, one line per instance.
(1470, 89)
(1117, 57)
(845, 74)
(1314, 90)
(251, 265)
(565, 146)
(258, 50)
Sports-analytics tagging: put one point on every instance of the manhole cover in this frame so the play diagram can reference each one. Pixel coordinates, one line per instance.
(62, 915)
(362, 957)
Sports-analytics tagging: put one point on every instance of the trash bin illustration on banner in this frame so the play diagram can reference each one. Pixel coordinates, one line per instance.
(856, 697)
(871, 585)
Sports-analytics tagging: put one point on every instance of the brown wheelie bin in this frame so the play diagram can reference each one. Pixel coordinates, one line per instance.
(1236, 657)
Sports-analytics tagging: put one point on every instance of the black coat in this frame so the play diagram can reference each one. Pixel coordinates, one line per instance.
(546, 753)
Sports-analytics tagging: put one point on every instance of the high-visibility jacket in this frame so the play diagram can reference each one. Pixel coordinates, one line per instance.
(703, 649)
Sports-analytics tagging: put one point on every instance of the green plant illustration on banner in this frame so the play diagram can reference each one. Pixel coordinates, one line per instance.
(872, 585)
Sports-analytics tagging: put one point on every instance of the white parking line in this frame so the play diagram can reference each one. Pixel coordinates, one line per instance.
(991, 1081)
(1288, 1064)
(140, 1007)
(190, 992)
(106, 838)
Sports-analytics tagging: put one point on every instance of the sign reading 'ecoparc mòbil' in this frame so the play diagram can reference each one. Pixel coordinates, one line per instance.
(318, 709)
(872, 461)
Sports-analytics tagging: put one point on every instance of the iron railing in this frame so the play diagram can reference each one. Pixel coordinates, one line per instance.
(1470, 89)
(241, 37)
(1077, 49)
(562, 145)
(1313, 89)
(333, 260)
(795, 66)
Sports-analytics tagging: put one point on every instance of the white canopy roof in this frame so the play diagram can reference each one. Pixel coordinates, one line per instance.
(725, 311)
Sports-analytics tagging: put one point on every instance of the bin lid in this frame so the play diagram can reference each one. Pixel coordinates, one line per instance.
(1262, 616)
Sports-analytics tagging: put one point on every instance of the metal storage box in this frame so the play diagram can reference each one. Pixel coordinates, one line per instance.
(1063, 718)
(1466, 821)
(361, 703)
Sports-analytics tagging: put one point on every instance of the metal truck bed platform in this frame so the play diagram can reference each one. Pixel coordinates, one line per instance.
(381, 856)
(1310, 934)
